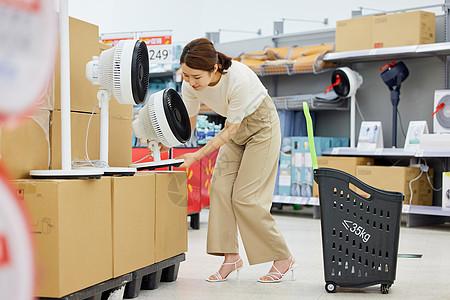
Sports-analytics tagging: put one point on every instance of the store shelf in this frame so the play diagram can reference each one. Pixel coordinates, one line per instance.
(395, 152)
(296, 200)
(415, 51)
(287, 68)
(295, 102)
(417, 215)
(425, 210)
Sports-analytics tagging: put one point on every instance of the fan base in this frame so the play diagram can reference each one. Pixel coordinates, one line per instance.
(66, 174)
(111, 171)
(157, 164)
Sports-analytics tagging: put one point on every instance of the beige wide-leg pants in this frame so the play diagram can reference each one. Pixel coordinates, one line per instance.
(242, 190)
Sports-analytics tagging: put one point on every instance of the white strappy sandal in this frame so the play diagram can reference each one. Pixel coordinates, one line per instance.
(278, 276)
(218, 277)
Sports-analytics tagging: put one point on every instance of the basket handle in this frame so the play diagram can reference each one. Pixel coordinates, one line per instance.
(350, 179)
(309, 126)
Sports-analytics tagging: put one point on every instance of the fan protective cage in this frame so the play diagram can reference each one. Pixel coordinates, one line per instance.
(164, 118)
(124, 71)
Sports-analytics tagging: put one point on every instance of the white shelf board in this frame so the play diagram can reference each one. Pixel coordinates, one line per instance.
(425, 210)
(296, 200)
(343, 151)
(406, 209)
(415, 51)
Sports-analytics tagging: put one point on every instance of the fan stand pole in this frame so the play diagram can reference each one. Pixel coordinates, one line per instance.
(395, 99)
(66, 171)
(66, 145)
(103, 97)
(352, 121)
(157, 162)
(156, 151)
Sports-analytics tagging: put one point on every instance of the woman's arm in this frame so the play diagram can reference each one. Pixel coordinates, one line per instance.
(226, 134)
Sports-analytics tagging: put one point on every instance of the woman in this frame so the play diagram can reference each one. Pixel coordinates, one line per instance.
(245, 172)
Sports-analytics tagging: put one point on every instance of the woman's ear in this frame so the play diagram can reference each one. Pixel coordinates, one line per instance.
(216, 67)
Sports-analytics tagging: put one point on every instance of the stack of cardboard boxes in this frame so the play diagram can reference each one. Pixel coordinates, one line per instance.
(35, 143)
(88, 231)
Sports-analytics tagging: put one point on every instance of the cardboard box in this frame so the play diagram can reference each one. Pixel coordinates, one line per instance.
(133, 219)
(403, 29)
(79, 123)
(354, 34)
(171, 215)
(71, 226)
(83, 38)
(346, 164)
(84, 44)
(120, 141)
(397, 179)
(120, 133)
(380, 31)
(26, 146)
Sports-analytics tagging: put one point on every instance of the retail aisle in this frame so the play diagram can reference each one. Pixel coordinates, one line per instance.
(424, 278)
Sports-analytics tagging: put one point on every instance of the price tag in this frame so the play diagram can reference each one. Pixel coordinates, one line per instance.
(160, 54)
(159, 48)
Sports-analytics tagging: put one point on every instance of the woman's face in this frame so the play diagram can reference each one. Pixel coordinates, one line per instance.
(198, 79)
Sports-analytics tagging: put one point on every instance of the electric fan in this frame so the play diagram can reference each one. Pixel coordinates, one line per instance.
(163, 119)
(393, 75)
(441, 114)
(345, 83)
(122, 71)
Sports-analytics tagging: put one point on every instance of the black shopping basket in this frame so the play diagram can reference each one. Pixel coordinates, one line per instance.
(359, 234)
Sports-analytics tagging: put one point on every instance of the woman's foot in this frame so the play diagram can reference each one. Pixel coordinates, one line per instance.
(279, 269)
(232, 262)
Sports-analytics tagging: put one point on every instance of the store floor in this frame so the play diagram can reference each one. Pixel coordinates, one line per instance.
(417, 278)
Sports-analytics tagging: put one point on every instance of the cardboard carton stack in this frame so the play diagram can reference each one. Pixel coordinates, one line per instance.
(88, 231)
(35, 143)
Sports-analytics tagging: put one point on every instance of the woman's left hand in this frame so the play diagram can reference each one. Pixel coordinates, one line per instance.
(189, 159)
